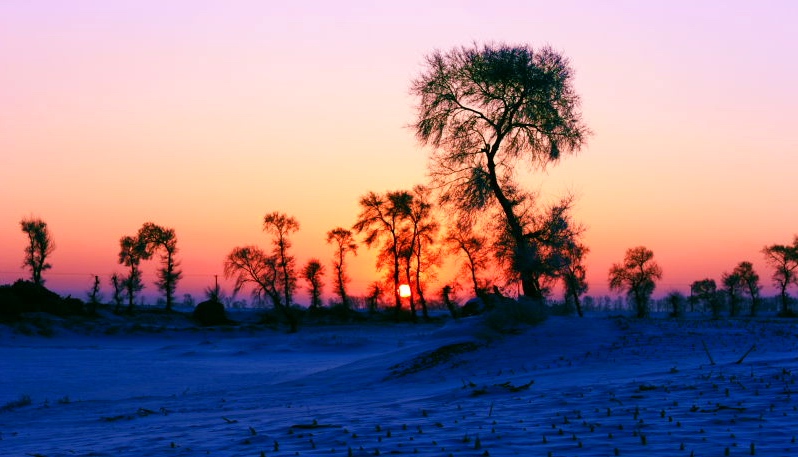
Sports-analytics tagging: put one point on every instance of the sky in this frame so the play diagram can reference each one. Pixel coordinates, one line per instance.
(204, 116)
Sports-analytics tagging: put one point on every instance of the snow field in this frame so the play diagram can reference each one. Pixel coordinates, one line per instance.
(570, 387)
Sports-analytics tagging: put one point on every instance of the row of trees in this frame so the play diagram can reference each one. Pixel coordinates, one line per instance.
(151, 239)
(405, 230)
(638, 273)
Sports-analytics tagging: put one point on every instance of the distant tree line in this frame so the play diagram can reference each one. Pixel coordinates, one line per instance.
(638, 273)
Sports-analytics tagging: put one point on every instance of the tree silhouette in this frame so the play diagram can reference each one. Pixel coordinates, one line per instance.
(783, 258)
(706, 291)
(486, 108)
(250, 265)
(312, 273)
(158, 238)
(381, 217)
(40, 246)
(118, 283)
(676, 300)
(750, 280)
(636, 275)
(281, 226)
(461, 239)
(132, 251)
(344, 244)
(551, 233)
(94, 296)
(375, 294)
(733, 285)
(424, 229)
(574, 274)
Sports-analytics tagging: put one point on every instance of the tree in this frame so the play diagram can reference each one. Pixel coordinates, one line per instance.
(132, 251)
(733, 285)
(484, 109)
(160, 238)
(784, 260)
(381, 217)
(250, 265)
(344, 244)
(552, 234)
(40, 246)
(676, 300)
(375, 294)
(461, 239)
(750, 280)
(574, 274)
(281, 226)
(312, 273)
(706, 291)
(94, 295)
(118, 283)
(637, 276)
(424, 229)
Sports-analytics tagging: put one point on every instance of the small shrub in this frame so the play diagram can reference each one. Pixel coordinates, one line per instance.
(24, 400)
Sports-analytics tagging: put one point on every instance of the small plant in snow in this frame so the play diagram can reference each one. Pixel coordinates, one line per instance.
(22, 401)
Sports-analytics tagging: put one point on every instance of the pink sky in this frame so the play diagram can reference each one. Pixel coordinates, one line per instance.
(204, 116)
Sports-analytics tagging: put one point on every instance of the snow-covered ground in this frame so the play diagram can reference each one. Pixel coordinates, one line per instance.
(598, 386)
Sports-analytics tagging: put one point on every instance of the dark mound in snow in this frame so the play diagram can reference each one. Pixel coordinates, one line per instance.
(211, 312)
(27, 297)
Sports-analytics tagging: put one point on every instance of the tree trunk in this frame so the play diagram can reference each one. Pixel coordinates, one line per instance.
(529, 285)
(785, 301)
(412, 298)
(578, 304)
(449, 305)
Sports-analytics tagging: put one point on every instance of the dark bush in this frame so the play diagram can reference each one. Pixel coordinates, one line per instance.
(211, 312)
(10, 304)
(27, 297)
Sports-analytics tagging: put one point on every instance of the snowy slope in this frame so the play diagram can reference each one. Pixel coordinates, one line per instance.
(578, 387)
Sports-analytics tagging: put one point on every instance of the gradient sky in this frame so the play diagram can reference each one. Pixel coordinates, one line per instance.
(205, 115)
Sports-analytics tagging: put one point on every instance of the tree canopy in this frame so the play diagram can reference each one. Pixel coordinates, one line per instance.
(637, 276)
(486, 108)
(40, 246)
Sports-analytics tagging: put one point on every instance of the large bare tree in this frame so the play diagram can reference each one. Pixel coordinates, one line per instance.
(485, 109)
(40, 246)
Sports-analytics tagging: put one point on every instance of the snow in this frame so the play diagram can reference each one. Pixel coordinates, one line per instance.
(597, 386)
